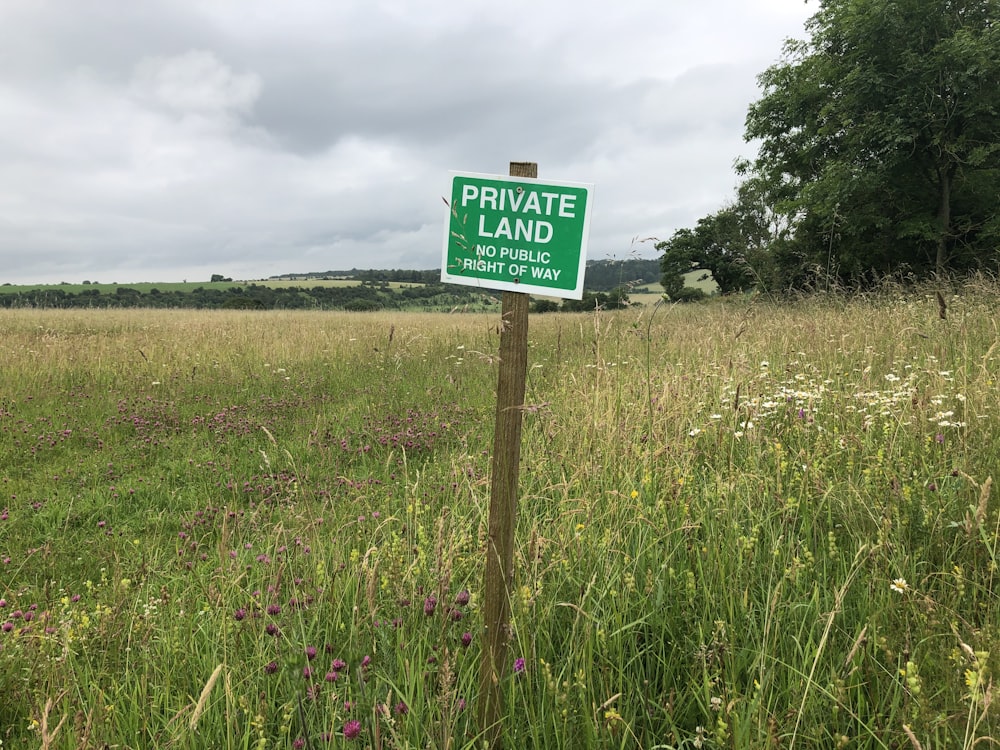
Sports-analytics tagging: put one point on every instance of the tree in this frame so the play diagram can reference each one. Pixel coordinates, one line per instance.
(724, 245)
(880, 140)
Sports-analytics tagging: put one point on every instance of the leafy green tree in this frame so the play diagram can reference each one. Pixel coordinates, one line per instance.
(880, 139)
(544, 306)
(722, 245)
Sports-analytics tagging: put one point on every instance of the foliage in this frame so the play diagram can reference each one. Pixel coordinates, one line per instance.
(355, 290)
(616, 299)
(722, 245)
(879, 150)
(364, 296)
(880, 139)
(606, 275)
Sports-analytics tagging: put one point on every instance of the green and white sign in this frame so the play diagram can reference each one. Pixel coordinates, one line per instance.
(517, 234)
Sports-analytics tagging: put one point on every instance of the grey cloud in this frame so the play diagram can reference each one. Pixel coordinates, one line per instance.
(158, 140)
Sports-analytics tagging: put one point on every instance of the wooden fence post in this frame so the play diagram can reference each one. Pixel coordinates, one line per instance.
(499, 578)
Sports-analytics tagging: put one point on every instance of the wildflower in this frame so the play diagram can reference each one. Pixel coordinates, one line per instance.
(271, 667)
(310, 652)
(240, 614)
(463, 598)
(430, 604)
(466, 638)
(352, 729)
(519, 665)
(402, 709)
(899, 585)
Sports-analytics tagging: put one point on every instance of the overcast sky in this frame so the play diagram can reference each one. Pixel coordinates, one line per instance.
(162, 140)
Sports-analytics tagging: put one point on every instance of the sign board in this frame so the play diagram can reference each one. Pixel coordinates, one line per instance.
(517, 234)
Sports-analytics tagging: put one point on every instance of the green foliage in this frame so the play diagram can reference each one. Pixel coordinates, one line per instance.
(722, 245)
(364, 296)
(879, 154)
(605, 275)
(880, 141)
(544, 306)
(616, 299)
(355, 290)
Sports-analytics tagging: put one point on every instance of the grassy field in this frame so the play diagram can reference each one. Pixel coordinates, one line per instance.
(740, 526)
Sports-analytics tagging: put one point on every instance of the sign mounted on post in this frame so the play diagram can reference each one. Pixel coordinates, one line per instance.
(516, 234)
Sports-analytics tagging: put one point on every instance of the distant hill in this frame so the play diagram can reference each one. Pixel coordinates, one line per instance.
(601, 275)
(606, 275)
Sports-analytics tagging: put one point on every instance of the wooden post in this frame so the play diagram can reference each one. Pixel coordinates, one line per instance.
(499, 580)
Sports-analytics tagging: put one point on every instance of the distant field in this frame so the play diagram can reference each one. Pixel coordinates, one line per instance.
(310, 283)
(655, 290)
(655, 293)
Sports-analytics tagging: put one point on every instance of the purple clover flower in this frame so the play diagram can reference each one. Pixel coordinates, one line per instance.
(352, 729)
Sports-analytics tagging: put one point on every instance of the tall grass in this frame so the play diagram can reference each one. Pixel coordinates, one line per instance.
(740, 526)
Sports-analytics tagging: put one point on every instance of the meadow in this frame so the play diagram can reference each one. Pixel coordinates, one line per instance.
(741, 525)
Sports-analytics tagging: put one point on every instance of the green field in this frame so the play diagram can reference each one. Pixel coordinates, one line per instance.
(740, 526)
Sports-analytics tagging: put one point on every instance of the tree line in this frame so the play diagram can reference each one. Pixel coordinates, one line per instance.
(879, 156)
(600, 275)
(356, 297)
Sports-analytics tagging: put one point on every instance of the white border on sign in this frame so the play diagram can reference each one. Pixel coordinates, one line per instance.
(510, 286)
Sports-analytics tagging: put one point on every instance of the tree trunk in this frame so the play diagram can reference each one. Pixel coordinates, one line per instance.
(944, 219)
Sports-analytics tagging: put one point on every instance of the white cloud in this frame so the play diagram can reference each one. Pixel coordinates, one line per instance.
(196, 82)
